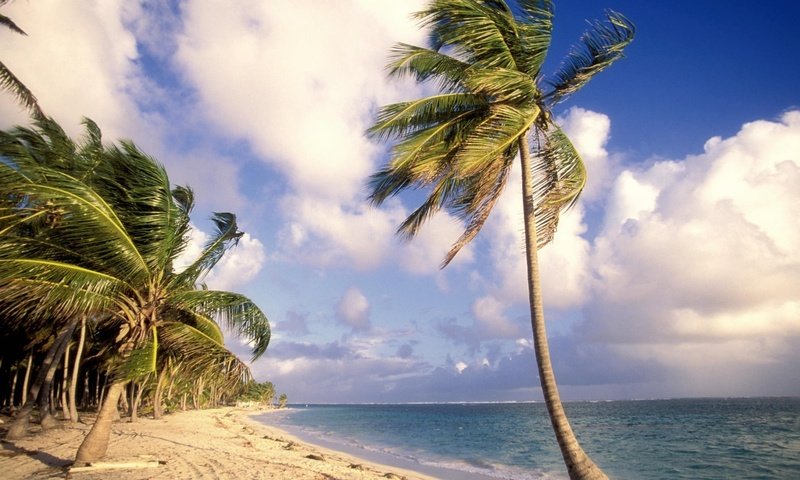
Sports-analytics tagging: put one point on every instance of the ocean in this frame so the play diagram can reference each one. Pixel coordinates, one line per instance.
(741, 438)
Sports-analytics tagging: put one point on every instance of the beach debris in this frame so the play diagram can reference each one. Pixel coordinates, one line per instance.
(118, 465)
(356, 466)
(314, 456)
(289, 446)
(248, 430)
(393, 476)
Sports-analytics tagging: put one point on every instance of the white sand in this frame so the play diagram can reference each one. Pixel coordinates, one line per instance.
(207, 444)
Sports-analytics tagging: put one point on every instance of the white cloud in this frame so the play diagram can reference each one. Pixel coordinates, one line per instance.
(589, 131)
(460, 367)
(304, 109)
(425, 252)
(353, 309)
(240, 265)
(702, 256)
(490, 318)
(78, 59)
(326, 233)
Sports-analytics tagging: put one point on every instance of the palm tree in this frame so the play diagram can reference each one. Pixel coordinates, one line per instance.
(10, 82)
(112, 228)
(494, 105)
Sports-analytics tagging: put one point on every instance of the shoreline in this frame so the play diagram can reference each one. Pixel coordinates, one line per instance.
(216, 443)
(369, 455)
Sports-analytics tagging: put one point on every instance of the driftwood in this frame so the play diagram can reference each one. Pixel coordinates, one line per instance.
(118, 465)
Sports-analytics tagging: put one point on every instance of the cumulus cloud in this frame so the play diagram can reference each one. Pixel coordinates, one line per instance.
(307, 121)
(490, 316)
(75, 72)
(700, 256)
(353, 309)
(589, 131)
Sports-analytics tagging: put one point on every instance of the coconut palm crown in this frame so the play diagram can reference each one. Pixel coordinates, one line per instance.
(493, 106)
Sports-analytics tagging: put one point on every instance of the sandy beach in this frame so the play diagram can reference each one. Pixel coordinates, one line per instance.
(219, 443)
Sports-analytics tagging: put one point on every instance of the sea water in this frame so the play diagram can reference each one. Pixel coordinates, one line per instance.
(751, 438)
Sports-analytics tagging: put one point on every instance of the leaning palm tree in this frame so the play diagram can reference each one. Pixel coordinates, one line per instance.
(113, 229)
(494, 105)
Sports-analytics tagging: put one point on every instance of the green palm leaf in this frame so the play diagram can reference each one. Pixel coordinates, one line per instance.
(499, 132)
(560, 177)
(599, 48)
(26, 98)
(235, 311)
(474, 30)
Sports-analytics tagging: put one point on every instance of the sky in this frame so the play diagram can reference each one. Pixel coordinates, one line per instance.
(677, 274)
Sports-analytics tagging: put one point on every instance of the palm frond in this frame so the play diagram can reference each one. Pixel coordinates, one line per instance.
(141, 361)
(31, 298)
(599, 48)
(477, 201)
(234, 310)
(496, 134)
(138, 187)
(560, 176)
(474, 30)
(208, 327)
(426, 64)
(25, 97)
(502, 85)
(442, 193)
(403, 119)
(91, 149)
(202, 355)
(4, 20)
(535, 32)
(87, 220)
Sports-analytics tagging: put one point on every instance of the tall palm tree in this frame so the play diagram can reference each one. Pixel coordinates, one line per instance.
(493, 106)
(112, 227)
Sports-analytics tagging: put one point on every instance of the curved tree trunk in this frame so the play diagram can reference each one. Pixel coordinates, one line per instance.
(95, 444)
(65, 385)
(579, 465)
(19, 426)
(73, 407)
(27, 379)
(158, 394)
(46, 419)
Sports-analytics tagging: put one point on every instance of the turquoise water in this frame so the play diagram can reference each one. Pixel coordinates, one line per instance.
(756, 438)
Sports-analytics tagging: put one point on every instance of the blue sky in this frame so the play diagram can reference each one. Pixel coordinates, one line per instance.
(677, 275)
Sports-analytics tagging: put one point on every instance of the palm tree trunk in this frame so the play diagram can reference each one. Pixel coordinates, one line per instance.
(13, 390)
(579, 465)
(95, 444)
(158, 393)
(19, 426)
(73, 408)
(64, 385)
(46, 419)
(27, 379)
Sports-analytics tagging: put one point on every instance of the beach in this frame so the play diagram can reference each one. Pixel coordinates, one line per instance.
(223, 443)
